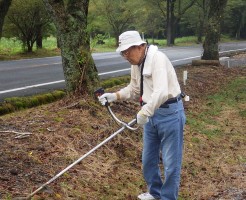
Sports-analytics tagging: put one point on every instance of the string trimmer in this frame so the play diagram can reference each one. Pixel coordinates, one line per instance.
(124, 125)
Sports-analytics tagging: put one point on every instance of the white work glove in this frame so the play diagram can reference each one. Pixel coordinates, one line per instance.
(142, 118)
(107, 97)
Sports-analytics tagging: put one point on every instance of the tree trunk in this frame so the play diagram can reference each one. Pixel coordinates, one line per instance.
(238, 33)
(173, 20)
(200, 30)
(212, 37)
(71, 22)
(29, 47)
(116, 36)
(205, 62)
(39, 37)
(170, 19)
(4, 7)
(203, 7)
(29, 44)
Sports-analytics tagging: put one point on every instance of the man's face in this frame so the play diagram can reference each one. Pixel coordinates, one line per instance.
(132, 54)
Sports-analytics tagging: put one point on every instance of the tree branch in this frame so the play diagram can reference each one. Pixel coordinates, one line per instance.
(19, 135)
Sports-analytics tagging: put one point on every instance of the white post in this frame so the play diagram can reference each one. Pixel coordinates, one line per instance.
(185, 75)
(143, 36)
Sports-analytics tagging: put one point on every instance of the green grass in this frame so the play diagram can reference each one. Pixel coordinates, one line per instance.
(231, 96)
(19, 103)
(11, 48)
(109, 83)
(242, 113)
(50, 43)
(234, 92)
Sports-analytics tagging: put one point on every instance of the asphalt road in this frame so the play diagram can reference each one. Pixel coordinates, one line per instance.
(33, 76)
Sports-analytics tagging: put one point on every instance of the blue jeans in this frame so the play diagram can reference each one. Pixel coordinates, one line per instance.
(163, 134)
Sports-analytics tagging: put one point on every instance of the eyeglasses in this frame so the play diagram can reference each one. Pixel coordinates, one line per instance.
(124, 53)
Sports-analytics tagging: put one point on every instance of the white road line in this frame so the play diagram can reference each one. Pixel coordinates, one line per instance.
(104, 73)
(48, 64)
(50, 83)
(185, 59)
(31, 86)
(200, 56)
(111, 72)
(233, 50)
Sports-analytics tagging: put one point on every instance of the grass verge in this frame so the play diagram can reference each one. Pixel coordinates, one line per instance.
(19, 103)
(214, 159)
(229, 97)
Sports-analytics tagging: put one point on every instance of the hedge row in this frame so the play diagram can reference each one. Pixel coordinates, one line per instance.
(18, 103)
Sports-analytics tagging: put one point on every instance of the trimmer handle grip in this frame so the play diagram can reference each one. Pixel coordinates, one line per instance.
(99, 92)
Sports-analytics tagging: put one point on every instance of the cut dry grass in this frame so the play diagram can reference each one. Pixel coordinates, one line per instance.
(213, 167)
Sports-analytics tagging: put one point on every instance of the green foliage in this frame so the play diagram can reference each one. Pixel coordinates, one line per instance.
(147, 17)
(99, 38)
(104, 16)
(13, 45)
(50, 43)
(10, 46)
(153, 19)
(102, 43)
(19, 103)
(6, 108)
(186, 40)
(115, 81)
(25, 20)
(235, 19)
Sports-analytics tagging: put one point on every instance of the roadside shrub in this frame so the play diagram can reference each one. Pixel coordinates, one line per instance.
(58, 94)
(33, 102)
(6, 108)
(49, 97)
(115, 81)
(19, 103)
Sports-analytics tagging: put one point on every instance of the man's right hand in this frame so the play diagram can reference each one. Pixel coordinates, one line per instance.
(107, 97)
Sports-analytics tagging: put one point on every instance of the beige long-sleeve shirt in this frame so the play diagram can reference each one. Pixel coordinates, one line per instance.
(159, 81)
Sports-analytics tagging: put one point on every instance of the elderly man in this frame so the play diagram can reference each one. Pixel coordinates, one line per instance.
(155, 84)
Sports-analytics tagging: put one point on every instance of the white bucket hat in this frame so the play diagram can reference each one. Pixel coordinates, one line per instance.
(129, 39)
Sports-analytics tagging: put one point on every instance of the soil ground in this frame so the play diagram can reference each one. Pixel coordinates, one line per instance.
(214, 167)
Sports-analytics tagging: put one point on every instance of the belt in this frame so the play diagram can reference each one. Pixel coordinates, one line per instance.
(170, 101)
(173, 100)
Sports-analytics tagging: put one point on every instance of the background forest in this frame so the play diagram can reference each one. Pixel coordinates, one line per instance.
(27, 21)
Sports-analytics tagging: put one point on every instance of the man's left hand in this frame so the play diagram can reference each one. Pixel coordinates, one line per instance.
(142, 118)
